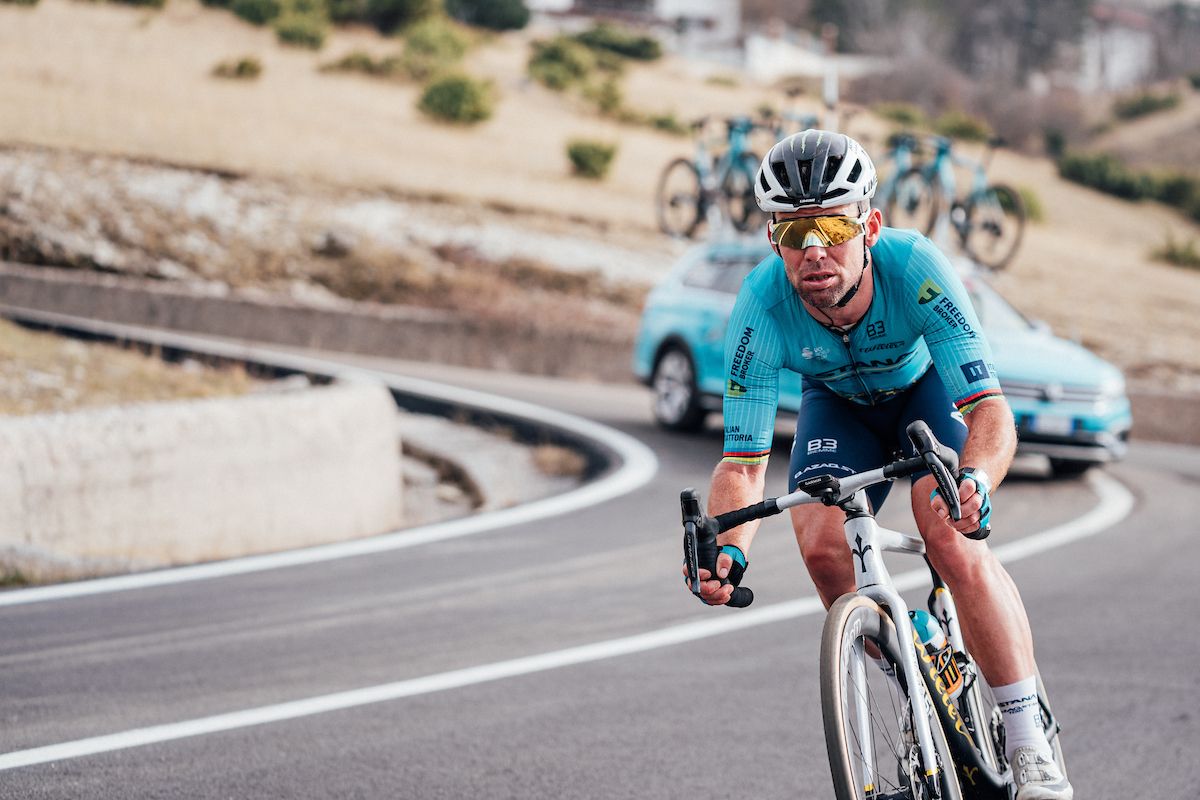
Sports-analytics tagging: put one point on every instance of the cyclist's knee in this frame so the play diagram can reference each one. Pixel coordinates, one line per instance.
(823, 547)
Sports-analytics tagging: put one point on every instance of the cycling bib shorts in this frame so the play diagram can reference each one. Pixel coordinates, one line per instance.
(839, 438)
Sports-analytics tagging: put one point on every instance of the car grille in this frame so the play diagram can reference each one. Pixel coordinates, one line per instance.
(1051, 392)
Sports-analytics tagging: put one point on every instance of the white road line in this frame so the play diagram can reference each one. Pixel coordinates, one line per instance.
(1115, 503)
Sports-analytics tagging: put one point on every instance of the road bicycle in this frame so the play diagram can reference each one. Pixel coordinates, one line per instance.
(905, 732)
(709, 188)
(989, 218)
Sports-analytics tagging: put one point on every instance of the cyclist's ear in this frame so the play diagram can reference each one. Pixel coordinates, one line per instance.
(874, 226)
(774, 246)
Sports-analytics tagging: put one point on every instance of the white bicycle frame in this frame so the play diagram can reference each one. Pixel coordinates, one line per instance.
(866, 539)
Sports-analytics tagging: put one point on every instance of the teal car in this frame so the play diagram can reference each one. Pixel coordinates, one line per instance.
(1069, 404)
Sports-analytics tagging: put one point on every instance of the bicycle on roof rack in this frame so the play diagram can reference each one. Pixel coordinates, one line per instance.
(927, 728)
(989, 218)
(708, 187)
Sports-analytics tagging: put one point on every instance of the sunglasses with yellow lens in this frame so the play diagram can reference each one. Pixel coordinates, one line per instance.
(801, 232)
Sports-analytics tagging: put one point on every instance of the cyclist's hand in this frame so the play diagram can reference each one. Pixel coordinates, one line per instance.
(976, 504)
(731, 566)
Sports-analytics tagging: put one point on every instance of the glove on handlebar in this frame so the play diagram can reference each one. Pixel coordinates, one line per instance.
(985, 511)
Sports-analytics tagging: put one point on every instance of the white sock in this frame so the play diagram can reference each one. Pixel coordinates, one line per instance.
(1023, 725)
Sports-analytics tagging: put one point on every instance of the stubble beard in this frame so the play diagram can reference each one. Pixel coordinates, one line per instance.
(822, 298)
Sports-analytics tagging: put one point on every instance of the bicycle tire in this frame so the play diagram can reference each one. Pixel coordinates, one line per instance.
(680, 207)
(851, 619)
(737, 194)
(994, 225)
(913, 202)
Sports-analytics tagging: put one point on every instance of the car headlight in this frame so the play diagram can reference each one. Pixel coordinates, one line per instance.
(1112, 388)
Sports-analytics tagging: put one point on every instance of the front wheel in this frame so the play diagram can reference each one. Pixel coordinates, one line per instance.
(913, 202)
(680, 199)
(869, 732)
(676, 395)
(995, 222)
(737, 194)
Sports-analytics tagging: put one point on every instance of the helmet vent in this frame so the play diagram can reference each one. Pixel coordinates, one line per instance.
(854, 173)
(780, 174)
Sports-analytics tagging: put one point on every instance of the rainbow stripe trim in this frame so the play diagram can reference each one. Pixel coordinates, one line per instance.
(970, 401)
(757, 457)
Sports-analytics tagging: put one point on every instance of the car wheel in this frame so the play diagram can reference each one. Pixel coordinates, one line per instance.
(676, 396)
(1064, 468)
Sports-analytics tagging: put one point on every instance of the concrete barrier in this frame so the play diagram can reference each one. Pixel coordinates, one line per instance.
(108, 490)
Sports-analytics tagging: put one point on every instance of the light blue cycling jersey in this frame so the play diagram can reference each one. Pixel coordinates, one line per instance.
(920, 315)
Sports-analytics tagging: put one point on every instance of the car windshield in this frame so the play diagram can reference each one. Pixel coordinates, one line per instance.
(995, 314)
(720, 272)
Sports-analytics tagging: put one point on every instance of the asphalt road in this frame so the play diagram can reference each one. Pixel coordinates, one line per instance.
(729, 715)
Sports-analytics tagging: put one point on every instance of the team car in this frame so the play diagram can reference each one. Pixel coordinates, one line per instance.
(1070, 405)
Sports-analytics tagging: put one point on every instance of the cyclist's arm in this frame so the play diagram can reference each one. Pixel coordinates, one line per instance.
(734, 486)
(753, 356)
(963, 360)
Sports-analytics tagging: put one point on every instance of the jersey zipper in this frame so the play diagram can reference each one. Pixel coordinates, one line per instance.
(862, 381)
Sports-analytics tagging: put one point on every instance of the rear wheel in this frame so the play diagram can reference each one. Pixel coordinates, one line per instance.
(869, 717)
(680, 198)
(913, 203)
(995, 223)
(676, 395)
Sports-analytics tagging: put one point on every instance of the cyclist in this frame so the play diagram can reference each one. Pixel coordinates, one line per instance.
(881, 329)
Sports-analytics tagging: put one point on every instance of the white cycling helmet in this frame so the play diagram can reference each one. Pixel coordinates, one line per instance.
(814, 169)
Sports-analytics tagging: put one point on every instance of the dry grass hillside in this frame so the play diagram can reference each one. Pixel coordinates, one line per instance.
(116, 80)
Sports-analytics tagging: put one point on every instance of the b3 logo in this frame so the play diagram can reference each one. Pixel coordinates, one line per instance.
(822, 446)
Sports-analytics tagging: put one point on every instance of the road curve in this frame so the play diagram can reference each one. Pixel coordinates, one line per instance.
(734, 713)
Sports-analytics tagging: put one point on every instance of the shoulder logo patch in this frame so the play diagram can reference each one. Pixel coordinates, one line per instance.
(928, 292)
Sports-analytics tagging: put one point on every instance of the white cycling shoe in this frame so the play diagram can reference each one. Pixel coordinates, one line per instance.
(1038, 778)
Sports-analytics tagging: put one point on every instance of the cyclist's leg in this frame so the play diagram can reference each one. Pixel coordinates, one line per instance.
(992, 615)
(830, 439)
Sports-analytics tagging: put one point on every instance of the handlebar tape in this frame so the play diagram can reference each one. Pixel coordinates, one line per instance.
(732, 519)
(742, 596)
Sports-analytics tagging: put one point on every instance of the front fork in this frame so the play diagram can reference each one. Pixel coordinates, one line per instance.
(867, 540)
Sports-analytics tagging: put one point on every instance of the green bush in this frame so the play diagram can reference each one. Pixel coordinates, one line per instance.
(458, 99)
(1145, 103)
(560, 62)
(1194, 78)
(342, 11)
(246, 68)
(497, 15)
(589, 158)
(960, 125)
(20, 2)
(430, 46)
(621, 42)
(217, 3)
(1102, 171)
(905, 114)
(146, 3)
(1181, 254)
(1034, 211)
(391, 15)
(668, 123)
(606, 95)
(362, 61)
(302, 30)
(257, 12)
(1178, 189)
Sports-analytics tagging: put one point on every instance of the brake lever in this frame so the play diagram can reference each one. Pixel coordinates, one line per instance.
(690, 504)
(941, 461)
